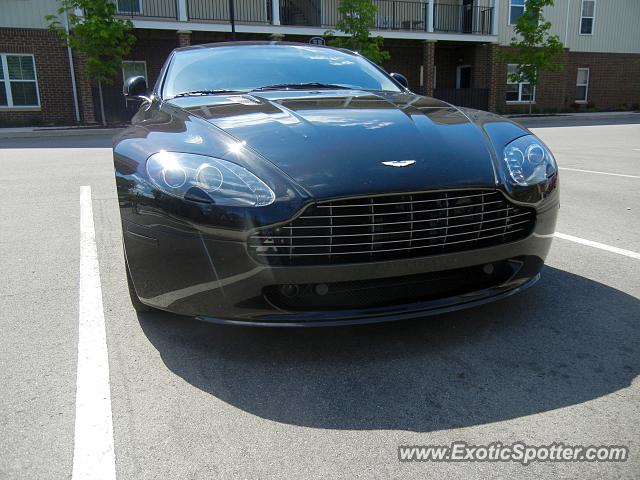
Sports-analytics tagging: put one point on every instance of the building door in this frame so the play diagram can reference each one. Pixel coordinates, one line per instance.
(467, 16)
(463, 76)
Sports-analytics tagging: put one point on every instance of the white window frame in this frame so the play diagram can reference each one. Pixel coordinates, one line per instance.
(7, 82)
(144, 62)
(593, 18)
(139, 12)
(586, 85)
(524, 8)
(520, 84)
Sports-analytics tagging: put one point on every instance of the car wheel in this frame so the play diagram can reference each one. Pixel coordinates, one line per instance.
(138, 306)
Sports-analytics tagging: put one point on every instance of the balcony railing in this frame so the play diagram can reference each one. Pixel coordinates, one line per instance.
(390, 14)
(307, 13)
(147, 8)
(403, 15)
(245, 11)
(462, 18)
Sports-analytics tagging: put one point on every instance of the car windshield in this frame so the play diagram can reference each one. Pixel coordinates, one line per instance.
(249, 67)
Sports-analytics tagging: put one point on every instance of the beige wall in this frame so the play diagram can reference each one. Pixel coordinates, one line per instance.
(617, 25)
(26, 13)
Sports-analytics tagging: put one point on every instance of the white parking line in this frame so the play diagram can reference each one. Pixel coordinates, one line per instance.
(93, 453)
(599, 173)
(601, 246)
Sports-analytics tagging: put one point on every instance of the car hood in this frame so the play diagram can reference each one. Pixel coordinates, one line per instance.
(350, 142)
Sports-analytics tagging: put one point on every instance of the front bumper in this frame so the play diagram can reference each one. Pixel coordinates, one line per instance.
(199, 275)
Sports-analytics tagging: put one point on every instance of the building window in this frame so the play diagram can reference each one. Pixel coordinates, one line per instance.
(3, 89)
(516, 9)
(587, 17)
(129, 6)
(518, 92)
(18, 82)
(582, 85)
(134, 69)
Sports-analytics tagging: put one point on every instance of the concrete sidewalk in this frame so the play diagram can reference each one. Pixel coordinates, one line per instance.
(37, 132)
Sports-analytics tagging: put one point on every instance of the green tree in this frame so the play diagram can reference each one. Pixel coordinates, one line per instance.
(355, 18)
(94, 30)
(534, 50)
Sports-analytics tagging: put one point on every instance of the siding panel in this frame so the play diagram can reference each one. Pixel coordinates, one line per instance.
(616, 25)
(26, 13)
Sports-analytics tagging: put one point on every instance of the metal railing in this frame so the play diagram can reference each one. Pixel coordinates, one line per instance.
(390, 15)
(305, 12)
(245, 11)
(147, 8)
(403, 15)
(464, 97)
(462, 18)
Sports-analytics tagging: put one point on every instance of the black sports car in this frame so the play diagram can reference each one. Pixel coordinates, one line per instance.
(287, 184)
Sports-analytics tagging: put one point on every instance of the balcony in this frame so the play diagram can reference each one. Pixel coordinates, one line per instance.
(449, 16)
(147, 8)
(454, 18)
(245, 11)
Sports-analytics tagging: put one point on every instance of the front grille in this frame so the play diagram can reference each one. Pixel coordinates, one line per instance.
(392, 227)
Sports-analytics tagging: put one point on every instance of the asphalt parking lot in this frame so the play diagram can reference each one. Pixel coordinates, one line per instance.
(557, 363)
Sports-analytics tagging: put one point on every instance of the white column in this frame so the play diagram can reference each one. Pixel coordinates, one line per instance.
(430, 16)
(495, 19)
(275, 14)
(182, 11)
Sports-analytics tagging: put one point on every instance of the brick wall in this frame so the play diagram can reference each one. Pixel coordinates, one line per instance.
(447, 59)
(613, 84)
(84, 89)
(153, 47)
(184, 38)
(614, 80)
(52, 71)
(484, 72)
(406, 58)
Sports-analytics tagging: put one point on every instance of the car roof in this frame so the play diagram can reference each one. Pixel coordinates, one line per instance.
(258, 42)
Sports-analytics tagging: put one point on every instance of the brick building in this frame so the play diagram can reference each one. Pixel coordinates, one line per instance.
(447, 48)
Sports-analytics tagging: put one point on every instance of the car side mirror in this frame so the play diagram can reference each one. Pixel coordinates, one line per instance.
(401, 79)
(135, 87)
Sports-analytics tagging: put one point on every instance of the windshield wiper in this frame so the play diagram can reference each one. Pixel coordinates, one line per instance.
(194, 93)
(302, 86)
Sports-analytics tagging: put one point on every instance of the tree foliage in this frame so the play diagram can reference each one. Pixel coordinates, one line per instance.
(355, 19)
(94, 30)
(534, 50)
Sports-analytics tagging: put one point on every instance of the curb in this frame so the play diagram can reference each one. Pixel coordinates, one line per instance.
(59, 133)
(575, 116)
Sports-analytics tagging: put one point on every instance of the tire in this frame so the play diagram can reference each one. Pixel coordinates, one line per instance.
(138, 306)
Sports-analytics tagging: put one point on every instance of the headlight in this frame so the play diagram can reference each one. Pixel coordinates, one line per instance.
(189, 175)
(528, 161)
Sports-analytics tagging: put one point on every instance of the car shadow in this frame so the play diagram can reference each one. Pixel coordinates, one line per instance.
(563, 342)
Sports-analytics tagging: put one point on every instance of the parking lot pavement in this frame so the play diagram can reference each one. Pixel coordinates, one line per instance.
(557, 363)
